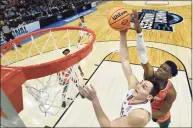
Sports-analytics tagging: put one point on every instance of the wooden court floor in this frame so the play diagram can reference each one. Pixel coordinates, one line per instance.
(179, 39)
(162, 45)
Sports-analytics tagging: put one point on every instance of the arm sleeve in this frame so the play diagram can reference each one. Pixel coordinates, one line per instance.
(141, 48)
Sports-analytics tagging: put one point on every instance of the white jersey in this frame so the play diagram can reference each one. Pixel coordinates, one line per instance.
(83, 25)
(71, 70)
(127, 107)
(68, 75)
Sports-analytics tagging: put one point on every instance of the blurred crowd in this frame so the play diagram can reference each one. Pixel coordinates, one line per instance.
(14, 13)
(25, 11)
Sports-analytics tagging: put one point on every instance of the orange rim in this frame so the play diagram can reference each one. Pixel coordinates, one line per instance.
(20, 74)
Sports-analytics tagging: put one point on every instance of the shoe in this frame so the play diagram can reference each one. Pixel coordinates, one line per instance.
(63, 104)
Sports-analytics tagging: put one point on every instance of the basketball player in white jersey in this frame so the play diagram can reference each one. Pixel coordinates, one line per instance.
(136, 108)
(66, 76)
(82, 24)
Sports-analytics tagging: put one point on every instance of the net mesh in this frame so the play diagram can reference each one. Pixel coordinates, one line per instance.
(37, 46)
(55, 91)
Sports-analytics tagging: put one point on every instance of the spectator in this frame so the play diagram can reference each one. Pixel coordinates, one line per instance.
(7, 32)
(2, 39)
(31, 10)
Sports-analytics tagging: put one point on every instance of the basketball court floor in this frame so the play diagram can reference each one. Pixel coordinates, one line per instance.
(103, 70)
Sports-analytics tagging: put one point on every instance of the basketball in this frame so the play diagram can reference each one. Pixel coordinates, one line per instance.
(119, 19)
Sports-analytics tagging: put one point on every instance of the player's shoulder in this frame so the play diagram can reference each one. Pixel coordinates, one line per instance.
(140, 114)
(172, 88)
(172, 92)
(142, 111)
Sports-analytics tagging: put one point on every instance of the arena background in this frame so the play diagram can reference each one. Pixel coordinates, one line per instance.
(171, 41)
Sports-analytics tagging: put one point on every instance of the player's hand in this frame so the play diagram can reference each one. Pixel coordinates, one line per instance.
(90, 94)
(136, 21)
(135, 14)
(124, 31)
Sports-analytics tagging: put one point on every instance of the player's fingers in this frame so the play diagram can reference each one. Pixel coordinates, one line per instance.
(135, 10)
(88, 89)
(128, 27)
(80, 88)
(83, 91)
(92, 87)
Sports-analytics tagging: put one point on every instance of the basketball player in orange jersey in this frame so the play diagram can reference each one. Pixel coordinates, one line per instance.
(136, 107)
(162, 103)
(82, 24)
(65, 78)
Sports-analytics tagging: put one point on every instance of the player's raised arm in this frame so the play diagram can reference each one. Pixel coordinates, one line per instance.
(132, 81)
(141, 48)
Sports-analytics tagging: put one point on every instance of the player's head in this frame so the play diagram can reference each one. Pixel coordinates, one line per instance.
(66, 52)
(167, 70)
(146, 89)
(82, 18)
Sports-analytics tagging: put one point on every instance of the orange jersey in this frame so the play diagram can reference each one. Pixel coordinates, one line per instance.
(159, 101)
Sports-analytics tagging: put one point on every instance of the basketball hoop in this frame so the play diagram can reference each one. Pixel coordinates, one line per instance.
(51, 67)
(19, 67)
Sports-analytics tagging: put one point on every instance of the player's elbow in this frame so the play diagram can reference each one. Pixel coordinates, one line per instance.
(140, 123)
(139, 120)
(160, 113)
(166, 108)
(106, 125)
(164, 112)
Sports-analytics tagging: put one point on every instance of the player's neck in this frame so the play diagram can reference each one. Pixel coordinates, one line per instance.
(162, 83)
(136, 100)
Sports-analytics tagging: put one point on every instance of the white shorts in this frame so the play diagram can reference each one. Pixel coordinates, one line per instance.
(82, 33)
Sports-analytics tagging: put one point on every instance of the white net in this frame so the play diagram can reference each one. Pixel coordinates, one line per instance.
(53, 91)
(36, 50)
(58, 90)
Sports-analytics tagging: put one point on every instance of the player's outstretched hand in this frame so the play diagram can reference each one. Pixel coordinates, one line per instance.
(87, 92)
(136, 21)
